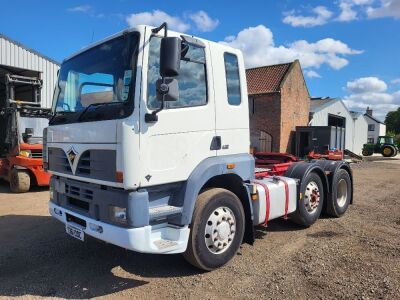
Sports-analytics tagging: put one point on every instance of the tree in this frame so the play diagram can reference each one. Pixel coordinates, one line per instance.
(392, 121)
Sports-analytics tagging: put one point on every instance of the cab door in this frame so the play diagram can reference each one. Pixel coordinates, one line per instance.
(173, 146)
(232, 113)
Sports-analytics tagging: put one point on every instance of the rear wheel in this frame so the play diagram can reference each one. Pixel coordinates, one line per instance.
(339, 200)
(311, 201)
(388, 151)
(217, 229)
(20, 181)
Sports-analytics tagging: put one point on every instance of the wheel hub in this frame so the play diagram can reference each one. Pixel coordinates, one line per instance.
(220, 230)
(311, 197)
(341, 192)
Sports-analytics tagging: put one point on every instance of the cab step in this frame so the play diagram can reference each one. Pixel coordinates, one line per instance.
(161, 212)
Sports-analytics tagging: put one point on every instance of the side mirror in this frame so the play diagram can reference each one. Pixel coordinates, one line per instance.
(170, 56)
(167, 89)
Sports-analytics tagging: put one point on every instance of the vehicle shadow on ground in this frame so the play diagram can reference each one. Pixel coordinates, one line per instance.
(277, 225)
(5, 188)
(38, 258)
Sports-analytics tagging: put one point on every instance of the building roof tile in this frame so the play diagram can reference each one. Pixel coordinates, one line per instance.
(267, 79)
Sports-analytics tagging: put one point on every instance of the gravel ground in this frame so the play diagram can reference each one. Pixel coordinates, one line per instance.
(356, 256)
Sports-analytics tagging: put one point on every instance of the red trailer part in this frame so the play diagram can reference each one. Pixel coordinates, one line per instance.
(272, 164)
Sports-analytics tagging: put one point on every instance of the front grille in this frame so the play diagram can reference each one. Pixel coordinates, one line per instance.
(78, 192)
(37, 153)
(96, 163)
(58, 161)
(78, 203)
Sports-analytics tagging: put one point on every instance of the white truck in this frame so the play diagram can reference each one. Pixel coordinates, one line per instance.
(148, 147)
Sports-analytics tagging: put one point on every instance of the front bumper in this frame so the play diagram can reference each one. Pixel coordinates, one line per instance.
(161, 239)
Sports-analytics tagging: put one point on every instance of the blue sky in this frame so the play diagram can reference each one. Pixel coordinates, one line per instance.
(348, 48)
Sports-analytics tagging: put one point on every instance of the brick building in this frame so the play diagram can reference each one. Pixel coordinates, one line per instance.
(278, 102)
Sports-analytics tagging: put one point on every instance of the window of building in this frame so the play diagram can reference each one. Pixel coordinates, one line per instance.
(370, 140)
(192, 77)
(232, 79)
(371, 127)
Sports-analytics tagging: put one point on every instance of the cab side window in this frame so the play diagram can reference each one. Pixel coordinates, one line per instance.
(191, 79)
(232, 79)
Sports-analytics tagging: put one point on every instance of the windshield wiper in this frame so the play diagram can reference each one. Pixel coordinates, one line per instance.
(58, 114)
(94, 105)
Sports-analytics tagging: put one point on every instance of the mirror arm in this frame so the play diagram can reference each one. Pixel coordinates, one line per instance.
(157, 29)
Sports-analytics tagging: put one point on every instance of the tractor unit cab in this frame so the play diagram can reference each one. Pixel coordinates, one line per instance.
(149, 144)
(385, 145)
(22, 120)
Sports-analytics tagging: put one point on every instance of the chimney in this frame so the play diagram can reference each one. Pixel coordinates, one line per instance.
(369, 111)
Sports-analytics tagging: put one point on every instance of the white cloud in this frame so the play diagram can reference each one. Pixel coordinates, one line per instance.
(312, 74)
(347, 12)
(366, 85)
(395, 81)
(203, 21)
(322, 15)
(155, 18)
(387, 8)
(258, 47)
(80, 8)
(371, 92)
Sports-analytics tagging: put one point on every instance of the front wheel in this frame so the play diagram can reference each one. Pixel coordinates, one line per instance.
(20, 181)
(311, 200)
(217, 229)
(366, 152)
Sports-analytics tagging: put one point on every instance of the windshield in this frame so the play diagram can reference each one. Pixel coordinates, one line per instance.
(91, 80)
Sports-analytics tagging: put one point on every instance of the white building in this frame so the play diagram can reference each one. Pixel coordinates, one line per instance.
(376, 128)
(333, 112)
(20, 60)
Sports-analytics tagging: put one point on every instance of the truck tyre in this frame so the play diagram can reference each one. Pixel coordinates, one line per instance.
(311, 200)
(217, 229)
(388, 151)
(366, 152)
(339, 200)
(20, 181)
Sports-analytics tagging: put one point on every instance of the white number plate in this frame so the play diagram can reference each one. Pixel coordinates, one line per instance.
(75, 232)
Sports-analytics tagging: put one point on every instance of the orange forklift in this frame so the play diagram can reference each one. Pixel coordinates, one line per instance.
(22, 120)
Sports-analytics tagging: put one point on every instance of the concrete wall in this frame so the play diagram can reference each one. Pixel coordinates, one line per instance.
(15, 55)
(360, 133)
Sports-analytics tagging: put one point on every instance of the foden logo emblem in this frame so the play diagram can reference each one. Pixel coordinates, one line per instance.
(71, 155)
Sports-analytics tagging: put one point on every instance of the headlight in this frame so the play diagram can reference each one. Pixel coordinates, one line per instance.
(118, 214)
(25, 153)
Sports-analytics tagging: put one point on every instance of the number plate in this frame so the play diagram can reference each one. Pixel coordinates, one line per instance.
(75, 232)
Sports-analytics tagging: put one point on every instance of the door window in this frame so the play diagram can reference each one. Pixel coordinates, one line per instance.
(191, 79)
(232, 79)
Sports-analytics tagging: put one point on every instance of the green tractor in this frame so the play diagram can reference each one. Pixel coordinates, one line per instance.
(384, 146)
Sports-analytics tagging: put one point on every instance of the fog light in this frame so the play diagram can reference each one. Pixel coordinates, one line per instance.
(118, 214)
(57, 211)
(96, 228)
